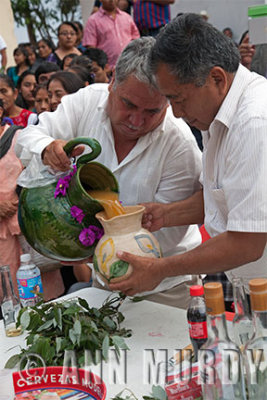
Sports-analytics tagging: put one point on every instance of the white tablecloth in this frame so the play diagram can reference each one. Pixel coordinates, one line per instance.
(158, 331)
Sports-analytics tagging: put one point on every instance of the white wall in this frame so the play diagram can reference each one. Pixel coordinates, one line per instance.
(222, 13)
(7, 29)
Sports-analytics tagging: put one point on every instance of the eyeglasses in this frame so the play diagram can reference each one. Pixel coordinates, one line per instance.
(67, 33)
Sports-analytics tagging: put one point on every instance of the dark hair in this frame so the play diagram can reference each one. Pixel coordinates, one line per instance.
(8, 81)
(97, 55)
(80, 25)
(23, 51)
(84, 61)
(67, 23)
(71, 55)
(70, 81)
(39, 87)
(46, 67)
(22, 76)
(83, 73)
(48, 42)
(1, 103)
(191, 47)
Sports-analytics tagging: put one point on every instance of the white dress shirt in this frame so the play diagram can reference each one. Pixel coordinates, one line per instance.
(235, 166)
(164, 166)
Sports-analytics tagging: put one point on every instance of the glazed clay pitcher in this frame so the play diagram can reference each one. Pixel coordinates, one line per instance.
(58, 220)
(122, 232)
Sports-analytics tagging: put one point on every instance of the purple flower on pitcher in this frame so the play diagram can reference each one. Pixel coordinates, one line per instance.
(61, 188)
(87, 237)
(77, 213)
(97, 231)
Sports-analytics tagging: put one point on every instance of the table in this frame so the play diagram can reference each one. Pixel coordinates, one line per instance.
(158, 331)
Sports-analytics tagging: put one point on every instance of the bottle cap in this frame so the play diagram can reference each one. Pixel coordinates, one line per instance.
(196, 290)
(258, 294)
(214, 298)
(25, 257)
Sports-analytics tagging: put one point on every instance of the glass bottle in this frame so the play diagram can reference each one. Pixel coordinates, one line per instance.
(10, 305)
(255, 351)
(242, 322)
(220, 362)
(197, 318)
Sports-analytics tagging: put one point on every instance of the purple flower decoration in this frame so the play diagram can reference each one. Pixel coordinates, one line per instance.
(97, 231)
(63, 183)
(62, 186)
(77, 213)
(87, 237)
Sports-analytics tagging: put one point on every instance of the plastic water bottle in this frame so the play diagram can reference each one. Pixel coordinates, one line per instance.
(29, 281)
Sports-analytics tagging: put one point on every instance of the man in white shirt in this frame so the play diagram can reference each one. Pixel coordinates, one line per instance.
(153, 155)
(197, 68)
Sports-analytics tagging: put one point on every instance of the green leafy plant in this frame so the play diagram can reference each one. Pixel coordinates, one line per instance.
(158, 393)
(71, 325)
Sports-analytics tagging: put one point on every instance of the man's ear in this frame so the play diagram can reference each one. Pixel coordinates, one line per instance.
(111, 82)
(219, 77)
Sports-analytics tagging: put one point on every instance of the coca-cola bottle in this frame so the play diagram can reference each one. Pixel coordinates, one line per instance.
(197, 318)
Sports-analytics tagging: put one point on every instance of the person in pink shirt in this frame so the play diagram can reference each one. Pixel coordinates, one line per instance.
(110, 29)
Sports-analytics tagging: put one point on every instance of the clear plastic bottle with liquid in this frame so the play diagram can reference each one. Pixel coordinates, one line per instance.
(29, 281)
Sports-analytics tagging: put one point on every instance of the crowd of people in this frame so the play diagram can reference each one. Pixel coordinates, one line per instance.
(128, 71)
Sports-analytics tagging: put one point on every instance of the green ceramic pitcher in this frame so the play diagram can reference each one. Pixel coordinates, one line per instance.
(55, 219)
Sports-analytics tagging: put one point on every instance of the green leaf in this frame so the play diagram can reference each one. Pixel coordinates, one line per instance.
(25, 319)
(77, 327)
(58, 317)
(159, 393)
(58, 344)
(109, 323)
(72, 336)
(118, 268)
(105, 347)
(95, 263)
(12, 361)
(120, 342)
(45, 326)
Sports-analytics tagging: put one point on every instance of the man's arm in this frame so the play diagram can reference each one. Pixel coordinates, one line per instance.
(221, 253)
(184, 212)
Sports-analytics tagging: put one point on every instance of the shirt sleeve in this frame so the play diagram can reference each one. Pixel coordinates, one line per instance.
(244, 184)
(60, 124)
(90, 33)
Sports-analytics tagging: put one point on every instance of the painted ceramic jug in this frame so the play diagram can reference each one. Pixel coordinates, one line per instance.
(123, 232)
(58, 220)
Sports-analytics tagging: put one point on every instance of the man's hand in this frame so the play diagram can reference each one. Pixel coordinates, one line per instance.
(55, 156)
(147, 274)
(153, 217)
(8, 208)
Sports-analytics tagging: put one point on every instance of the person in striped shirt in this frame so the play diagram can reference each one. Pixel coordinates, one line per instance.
(151, 15)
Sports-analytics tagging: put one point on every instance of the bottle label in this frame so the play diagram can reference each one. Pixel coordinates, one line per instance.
(30, 288)
(198, 330)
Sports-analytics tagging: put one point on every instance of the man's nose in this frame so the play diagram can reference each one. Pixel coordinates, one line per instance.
(136, 119)
(177, 110)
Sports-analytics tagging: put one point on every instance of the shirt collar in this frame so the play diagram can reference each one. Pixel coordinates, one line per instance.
(104, 12)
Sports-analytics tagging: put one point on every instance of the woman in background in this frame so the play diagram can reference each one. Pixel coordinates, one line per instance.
(26, 85)
(46, 50)
(22, 64)
(8, 94)
(41, 99)
(60, 84)
(67, 36)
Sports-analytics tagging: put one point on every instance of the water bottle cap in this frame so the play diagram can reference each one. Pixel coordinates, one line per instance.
(25, 257)
(196, 290)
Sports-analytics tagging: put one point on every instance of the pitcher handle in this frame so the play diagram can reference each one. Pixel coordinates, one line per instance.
(93, 143)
